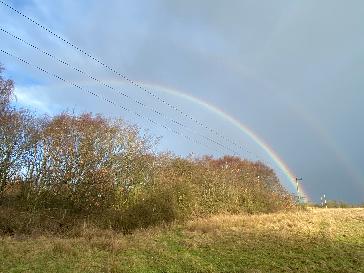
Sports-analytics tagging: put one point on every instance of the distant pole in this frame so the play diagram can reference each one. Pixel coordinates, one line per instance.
(298, 189)
(325, 201)
(322, 202)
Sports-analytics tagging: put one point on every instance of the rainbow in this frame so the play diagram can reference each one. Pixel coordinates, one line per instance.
(282, 166)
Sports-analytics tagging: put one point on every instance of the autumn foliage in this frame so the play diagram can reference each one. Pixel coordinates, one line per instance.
(64, 169)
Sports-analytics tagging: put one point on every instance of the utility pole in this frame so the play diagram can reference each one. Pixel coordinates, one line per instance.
(298, 189)
(323, 201)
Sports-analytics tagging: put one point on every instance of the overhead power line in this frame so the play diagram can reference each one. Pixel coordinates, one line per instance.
(137, 85)
(117, 91)
(127, 79)
(105, 99)
(134, 83)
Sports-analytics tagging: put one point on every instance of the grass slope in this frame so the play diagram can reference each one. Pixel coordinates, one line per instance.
(320, 240)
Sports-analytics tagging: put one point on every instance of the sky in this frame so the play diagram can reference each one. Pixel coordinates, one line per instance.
(276, 81)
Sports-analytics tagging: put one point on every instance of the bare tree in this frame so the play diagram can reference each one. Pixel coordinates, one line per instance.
(6, 91)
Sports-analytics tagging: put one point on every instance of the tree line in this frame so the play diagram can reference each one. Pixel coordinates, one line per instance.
(72, 166)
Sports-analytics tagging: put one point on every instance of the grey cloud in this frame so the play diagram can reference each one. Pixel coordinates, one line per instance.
(282, 68)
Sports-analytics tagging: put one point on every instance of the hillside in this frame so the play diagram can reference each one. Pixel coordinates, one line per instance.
(319, 240)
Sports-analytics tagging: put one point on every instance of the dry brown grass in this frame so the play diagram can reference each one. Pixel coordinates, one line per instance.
(311, 222)
(316, 240)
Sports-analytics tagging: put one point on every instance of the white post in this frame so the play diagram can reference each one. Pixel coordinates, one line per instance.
(298, 189)
(325, 201)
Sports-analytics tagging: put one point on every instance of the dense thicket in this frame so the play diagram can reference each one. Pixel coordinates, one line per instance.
(55, 172)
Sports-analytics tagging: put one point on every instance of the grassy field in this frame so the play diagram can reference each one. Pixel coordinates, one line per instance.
(319, 240)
